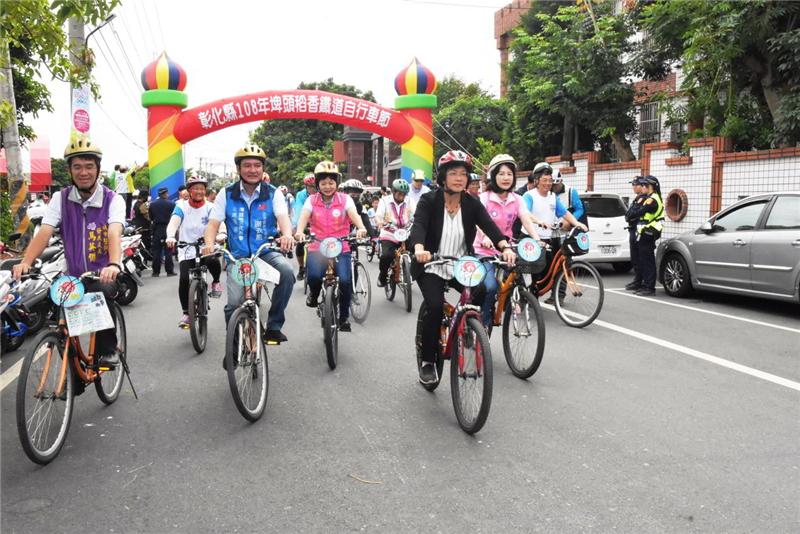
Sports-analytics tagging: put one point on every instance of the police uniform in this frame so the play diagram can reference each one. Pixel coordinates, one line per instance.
(632, 218)
(648, 231)
(160, 212)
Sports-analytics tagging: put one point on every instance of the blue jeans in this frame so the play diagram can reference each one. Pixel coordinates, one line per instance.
(490, 283)
(316, 265)
(280, 296)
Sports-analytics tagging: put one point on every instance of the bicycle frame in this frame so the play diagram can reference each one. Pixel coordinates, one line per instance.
(84, 372)
(507, 285)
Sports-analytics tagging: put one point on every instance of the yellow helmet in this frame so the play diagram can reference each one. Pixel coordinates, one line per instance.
(327, 168)
(82, 147)
(249, 150)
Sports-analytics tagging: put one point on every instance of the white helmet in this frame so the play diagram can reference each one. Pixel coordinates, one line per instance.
(557, 178)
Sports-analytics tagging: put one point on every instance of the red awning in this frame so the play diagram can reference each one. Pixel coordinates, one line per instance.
(41, 176)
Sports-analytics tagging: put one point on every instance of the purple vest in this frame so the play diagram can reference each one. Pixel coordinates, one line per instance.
(85, 233)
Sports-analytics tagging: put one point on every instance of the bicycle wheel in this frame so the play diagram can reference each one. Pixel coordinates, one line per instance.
(471, 376)
(42, 417)
(371, 252)
(523, 333)
(405, 280)
(198, 316)
(391, 286)
(330, 328)
(579, 303)
(109, 383)
(362, 293)
(421, 318)
(248, 371)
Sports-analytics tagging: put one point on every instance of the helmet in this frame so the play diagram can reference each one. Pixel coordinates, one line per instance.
(418, 174)
(451, 158)
(82, 147)
(557, 178)
(249, 151)
(309, 179)
(352, 185)
(474, 177)
(195, 179)
(400, 185)
(284, 189)
(501, 159)
(326, 168)
(542, 168)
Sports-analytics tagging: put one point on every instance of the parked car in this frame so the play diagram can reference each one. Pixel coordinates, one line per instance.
(750, 248)
(608, 234)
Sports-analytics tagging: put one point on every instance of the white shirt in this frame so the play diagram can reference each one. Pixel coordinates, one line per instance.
(386, 213)
(348, 204)
(451, 244)
(545, 209)
(279, 206)
(413, 195)
(193, 225)
(116, 211)
(122, 183)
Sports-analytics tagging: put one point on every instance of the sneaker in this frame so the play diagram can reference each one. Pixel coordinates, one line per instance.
(155, 275)
(184, 322)
(344, 326)
(301, 274)
(645, 292)
(274, 337)
(311, 300)
(109, 361)
(216, 290)
(427, 373)
(172, 274)
(225, 364)
(381, 280)
(633, 286)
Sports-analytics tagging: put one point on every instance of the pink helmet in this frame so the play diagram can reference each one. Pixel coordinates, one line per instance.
(195, 179)
(309, 180)
(450, 158)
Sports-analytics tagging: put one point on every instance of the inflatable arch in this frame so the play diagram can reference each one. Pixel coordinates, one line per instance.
(170, 125)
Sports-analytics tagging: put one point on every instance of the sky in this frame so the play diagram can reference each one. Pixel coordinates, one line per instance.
(234, 47)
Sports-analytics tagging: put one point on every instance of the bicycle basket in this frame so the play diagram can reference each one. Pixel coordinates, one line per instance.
(532, 259)
(576, 243)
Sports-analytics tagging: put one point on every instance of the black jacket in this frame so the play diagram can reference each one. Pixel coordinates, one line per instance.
(429, 221)
(161, 211)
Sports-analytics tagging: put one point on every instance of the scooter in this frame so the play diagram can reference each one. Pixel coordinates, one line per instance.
(133, 263)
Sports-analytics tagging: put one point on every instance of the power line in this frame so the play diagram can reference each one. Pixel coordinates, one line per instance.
(134, 143)
(125, 55)
(119, 77)
(160, 28)
(139, 56)
(135, 12)
(140, 5)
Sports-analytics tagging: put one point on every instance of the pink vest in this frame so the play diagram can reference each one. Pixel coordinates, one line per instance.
(329, 221)
(503, 216)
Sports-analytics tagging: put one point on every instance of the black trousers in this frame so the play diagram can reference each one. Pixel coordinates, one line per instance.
(388, 249)
(634, 246)
(160, 250)
(105, 341)
(214, 268)
(432, 288)
(647, 261)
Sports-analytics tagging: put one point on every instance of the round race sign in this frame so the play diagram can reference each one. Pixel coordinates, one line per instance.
(529, 249)
(401, 234)
(330, 247)
(80, 119)
(244, 272)
(583, 240)
(469, 271)
(67, 291)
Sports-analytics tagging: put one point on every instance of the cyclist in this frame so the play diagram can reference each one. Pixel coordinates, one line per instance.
(300, 199)
(330, 214)
(505, 207)
(91, 217)
(474, 186)
(570, 197)
(392, 210)
(191, 217)
(254, 211)
(446, 222)
(355, 188)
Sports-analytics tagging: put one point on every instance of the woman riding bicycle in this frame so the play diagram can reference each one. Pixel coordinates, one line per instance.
(330, 214)
(505, 207)
(446, 222)
(392, 210)
(191, 217)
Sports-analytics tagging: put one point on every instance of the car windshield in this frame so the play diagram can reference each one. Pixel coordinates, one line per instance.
(603, 206)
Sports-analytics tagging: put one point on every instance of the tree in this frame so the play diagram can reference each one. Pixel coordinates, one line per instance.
(741, 62)
(59, 173)
(468, 118)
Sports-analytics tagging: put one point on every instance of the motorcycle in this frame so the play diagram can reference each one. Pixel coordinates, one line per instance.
(133, 264)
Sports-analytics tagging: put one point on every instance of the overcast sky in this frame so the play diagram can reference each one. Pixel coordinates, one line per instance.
(233, 47)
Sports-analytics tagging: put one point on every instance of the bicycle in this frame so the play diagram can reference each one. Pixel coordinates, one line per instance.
(464, 341)
(374, 249)
(401, 268)
(579, 290)
(245, 349)
(199, 305)
(47, 381)
(362, 289)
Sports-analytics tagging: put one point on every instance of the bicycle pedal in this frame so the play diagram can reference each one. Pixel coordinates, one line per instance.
(273, 342)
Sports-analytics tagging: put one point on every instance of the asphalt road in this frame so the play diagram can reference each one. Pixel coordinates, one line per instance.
(664, 416)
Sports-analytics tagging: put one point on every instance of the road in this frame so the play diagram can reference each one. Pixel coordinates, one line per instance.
(664, 416)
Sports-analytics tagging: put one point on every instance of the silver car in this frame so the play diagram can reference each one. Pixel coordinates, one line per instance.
(750, 248)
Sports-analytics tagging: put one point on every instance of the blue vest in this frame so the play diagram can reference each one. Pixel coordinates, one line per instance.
(249, 227)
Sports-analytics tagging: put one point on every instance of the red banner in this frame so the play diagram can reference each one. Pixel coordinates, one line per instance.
(299, 104)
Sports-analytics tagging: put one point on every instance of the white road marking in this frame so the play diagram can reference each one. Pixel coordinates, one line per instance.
(692, 352)
(700, 310)
(11, 374)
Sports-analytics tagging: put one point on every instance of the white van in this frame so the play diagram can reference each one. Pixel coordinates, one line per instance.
(608, 234)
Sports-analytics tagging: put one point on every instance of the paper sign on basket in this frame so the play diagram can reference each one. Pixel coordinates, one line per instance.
(90, 315)
(267, 273)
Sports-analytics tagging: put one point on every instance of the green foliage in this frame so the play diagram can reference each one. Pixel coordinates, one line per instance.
(37, 43)
(6, 220)
(468, 117)
(295, 160)
(141, 180)
(485, 151)
(59, 172)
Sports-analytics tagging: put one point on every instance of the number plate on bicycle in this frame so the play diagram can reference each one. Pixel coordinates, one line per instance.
(529, 250)
(89, 315)
(330, 247)
(469, 271)
(66, 291)
(244, 272)
(401, 234)
(266, 272)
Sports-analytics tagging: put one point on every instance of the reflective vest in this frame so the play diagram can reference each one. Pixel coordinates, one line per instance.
(329, 220)
(652, 220)
(249, 226)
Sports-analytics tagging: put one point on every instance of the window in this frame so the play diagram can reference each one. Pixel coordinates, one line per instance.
(785, 214)
(740, 219)
(603, 207)
(649, 125)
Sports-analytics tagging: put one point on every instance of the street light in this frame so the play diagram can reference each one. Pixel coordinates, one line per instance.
(109, 19)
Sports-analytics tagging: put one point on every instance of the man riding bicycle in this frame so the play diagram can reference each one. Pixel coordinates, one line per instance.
(310, 187)
(392, 210)
(254, 211)
(91, 217)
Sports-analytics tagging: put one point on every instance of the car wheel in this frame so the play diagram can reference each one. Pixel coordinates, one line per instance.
(622, 267)
(675, 276)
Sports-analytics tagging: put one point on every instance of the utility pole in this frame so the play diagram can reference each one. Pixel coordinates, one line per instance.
(17, 186)
(79, 110)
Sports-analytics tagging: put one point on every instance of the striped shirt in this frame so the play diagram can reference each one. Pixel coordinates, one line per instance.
(451, 244)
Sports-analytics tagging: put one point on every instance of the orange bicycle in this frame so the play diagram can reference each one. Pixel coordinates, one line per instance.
(47, 382)
(400, 274)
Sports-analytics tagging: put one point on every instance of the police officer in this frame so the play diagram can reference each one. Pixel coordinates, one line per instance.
(632, 218)
(649, 215)
(160, 213)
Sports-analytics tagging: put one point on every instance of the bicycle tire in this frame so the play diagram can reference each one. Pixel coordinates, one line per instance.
(390, 289)
(330, 329)
(28, 420)
(526, 305)
(243, 367)
(462, 371)
(113, 378)
(421, 318)
(198, 318)
(128, 290)
(362, 290)
(405, 277)
(576, 314)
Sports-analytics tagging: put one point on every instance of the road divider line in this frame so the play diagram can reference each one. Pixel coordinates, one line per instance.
(11, 374)
(700, 310)
(769, 377)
